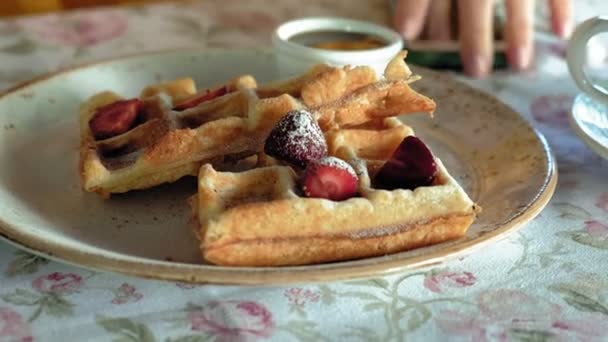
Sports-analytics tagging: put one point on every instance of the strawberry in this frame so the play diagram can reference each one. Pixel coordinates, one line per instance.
(330, 178)
(296, 139)
(411, 165)
(208, 95)
(115, 118)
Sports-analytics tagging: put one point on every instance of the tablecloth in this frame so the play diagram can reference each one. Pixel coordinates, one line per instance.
(545, 282)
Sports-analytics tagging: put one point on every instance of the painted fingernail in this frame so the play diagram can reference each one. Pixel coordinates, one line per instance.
(477, 66)
(520, 58)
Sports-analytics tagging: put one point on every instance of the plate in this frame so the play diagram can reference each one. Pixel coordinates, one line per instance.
(590, 122)
(503, 163)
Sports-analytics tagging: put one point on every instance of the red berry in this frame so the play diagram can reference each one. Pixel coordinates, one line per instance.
(115, 118)
(411, 165)
(296, 139)
(208, 95)
(330, 178)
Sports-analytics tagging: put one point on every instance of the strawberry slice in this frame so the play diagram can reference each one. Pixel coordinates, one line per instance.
(330, 178)
(115, 118)
(208, 95)
(411, 165)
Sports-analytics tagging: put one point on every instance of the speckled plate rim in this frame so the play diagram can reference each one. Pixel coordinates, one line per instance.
(103, 260)
(587, 138)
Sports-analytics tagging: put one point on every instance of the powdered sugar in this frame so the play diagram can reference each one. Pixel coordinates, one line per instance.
(306, 130)
(337, 163)
(297, 138)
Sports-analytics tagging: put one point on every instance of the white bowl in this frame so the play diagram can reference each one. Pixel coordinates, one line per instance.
(293, 58)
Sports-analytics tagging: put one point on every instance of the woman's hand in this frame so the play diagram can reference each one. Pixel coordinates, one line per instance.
(431, 20)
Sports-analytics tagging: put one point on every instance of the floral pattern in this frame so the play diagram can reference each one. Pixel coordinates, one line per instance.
(80, 30)
(48, 295)
(596, 229)
(298, 296)
(126, 293)
(13, 327)
(594, 327)
(594, 234)
(545, 283)
(602, 201)
(232, 320)
(552, 109)
(436, 281)
(506, 314)
(58, 283)
(25, 263)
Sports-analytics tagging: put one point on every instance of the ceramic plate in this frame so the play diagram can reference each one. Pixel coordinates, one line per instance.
(504, 165)
(590, 121)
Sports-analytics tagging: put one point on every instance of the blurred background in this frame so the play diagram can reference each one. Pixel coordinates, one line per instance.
(24, 7)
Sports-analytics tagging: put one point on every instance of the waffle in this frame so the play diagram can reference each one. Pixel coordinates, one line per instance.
(167, 144)
(257, 215)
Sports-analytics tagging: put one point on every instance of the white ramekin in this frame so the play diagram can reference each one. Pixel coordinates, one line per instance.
(293, 58)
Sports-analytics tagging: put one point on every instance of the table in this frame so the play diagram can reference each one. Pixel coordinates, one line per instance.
(546, 282)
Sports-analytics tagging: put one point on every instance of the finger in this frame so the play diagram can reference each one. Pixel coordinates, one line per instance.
(476, 35)
(518, 32)
(561, 17)
(438, 22)
(409, 17)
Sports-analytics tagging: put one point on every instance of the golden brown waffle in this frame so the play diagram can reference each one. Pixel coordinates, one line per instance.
(250, 209)
(258, 215)
(167, 144)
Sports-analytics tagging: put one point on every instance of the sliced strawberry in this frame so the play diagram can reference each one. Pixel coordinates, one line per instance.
(411, 165)
(296, 139)
(114, 119)
(330, 178)
(208, 95)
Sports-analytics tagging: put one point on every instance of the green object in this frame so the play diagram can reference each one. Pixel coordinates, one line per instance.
(448, 60)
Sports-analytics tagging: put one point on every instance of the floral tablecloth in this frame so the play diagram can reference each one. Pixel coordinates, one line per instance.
(546, 282)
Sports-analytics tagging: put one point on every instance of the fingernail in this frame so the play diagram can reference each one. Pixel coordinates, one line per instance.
(476, 66)
(407, 30)
(520, 58)
(563, 28)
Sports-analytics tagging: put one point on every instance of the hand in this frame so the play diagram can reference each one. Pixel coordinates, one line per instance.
(431, 20)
